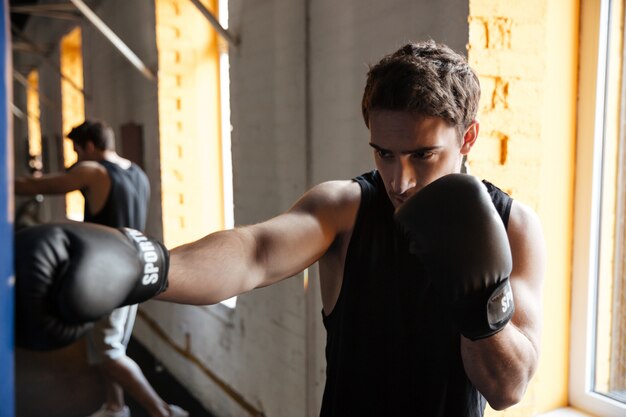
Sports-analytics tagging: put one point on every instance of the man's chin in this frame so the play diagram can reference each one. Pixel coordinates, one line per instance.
(397, 201)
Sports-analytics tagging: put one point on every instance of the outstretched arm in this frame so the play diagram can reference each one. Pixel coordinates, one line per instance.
(71, 274)
(502, 365)
(228, 263)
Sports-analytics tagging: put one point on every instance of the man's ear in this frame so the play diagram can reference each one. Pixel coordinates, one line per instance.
(89, 146)
(470, 136)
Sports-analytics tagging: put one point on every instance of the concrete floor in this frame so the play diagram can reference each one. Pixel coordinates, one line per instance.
(61, 384)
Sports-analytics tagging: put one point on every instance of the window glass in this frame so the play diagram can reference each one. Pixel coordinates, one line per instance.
(189, 122)
(34, 121)
(73, 109)
(609, 365)
(194, 122)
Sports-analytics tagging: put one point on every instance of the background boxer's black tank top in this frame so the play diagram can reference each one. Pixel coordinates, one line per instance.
(391, 349)
(127, 202)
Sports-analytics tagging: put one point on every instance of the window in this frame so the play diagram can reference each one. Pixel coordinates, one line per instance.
(34, 123)
(73, 109)
(598, 346)
(194, 122)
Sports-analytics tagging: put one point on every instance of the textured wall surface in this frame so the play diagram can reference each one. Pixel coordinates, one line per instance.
(526, 55)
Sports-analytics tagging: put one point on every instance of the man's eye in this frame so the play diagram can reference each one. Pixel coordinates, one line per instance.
(383, 154)
(423, 155)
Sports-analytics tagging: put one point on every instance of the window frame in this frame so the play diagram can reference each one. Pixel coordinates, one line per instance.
(594, 47)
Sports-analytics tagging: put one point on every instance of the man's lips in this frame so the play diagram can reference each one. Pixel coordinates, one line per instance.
(399, 199)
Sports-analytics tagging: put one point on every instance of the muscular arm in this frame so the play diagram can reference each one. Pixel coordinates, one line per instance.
(231, 262)
(82, 175)
(501, 366)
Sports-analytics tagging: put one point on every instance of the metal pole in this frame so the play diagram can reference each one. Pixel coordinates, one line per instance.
(17, 112)
(24, 82)
(39, 51)
(57, 11)
(230, 38)
(114, 39)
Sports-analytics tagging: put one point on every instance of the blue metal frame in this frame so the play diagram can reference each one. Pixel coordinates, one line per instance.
(7, 371)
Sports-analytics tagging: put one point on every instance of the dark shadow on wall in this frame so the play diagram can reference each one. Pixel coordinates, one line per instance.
(163, 382)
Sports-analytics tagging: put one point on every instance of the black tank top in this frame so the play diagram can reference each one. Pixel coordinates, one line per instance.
(391, 349)
(127, 202)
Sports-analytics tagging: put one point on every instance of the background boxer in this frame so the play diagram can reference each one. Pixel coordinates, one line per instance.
(116, 194)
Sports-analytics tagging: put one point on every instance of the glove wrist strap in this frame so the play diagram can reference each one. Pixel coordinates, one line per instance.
(155, 264)
(485, 315)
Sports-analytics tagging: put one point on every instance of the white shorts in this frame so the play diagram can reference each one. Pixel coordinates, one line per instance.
(110, 335)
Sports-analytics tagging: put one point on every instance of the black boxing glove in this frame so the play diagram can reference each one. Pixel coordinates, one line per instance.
(454, 229)
(72, 274)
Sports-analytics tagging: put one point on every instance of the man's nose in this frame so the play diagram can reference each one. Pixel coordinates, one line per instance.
(403, 177)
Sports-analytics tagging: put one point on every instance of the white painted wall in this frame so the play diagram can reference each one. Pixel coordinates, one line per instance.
(270, 349)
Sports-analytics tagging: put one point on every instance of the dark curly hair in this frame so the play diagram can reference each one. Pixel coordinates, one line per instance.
(427, 78)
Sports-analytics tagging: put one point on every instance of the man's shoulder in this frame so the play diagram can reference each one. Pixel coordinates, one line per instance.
(336, 194)
(523, 216)
(335, 202)
(520, 214)
(87, 167)
(351, 191)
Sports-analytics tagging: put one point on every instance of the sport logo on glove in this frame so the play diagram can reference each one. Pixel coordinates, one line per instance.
(501, 306)
(150, 257)
(507, 300)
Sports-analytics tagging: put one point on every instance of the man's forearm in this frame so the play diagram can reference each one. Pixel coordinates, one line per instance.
(500, 366)
(211, 269)
(25, 186)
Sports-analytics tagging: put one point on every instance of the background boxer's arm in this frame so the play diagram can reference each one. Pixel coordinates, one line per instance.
(231, 262)
(501, 366)
(80, 176)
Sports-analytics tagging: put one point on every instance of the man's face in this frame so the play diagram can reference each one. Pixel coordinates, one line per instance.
(412, 151)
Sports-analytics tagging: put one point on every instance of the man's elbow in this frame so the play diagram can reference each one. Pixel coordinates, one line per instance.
(507, 397)
(509, 388)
